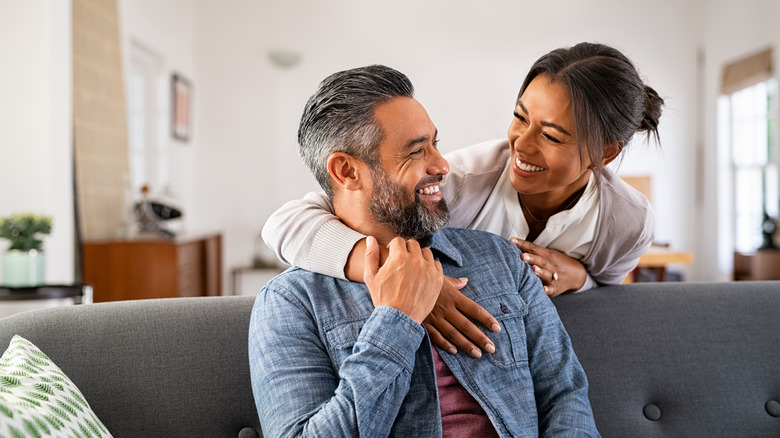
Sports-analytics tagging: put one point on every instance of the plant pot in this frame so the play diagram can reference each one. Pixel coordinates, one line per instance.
(23, 268)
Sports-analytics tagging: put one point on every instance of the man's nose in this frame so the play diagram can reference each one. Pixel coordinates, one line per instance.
(438, 165)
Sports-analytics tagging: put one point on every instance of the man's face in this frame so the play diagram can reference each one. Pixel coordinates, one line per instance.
(406, 186)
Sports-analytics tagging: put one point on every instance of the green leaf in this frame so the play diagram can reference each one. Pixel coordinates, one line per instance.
(7, 411)
(75, 404)
(62, 414)
(79, 398)
(16, 433)
(54, 422)
(9, 382)
(85, 431)
(67, 407)
(24, 230)
(42, 425)
(35, 403)
(44, 388)
(95, 430)
(31, 428)
(38, 395)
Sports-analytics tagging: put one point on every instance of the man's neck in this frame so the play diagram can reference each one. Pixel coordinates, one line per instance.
(355, 215)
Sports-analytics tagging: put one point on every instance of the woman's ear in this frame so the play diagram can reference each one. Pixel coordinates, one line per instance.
(612, 151)
(345, 171)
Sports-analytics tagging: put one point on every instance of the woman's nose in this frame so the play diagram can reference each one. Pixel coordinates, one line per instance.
(520, 139)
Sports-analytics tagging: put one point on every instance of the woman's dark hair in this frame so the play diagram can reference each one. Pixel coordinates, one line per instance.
(609, 100)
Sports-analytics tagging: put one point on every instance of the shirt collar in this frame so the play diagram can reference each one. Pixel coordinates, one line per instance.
(440, 245)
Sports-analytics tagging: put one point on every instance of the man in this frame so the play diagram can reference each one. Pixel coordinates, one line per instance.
(331, 357)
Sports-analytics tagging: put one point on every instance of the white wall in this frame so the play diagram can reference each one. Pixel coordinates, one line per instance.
(466, 59)
(36, 123)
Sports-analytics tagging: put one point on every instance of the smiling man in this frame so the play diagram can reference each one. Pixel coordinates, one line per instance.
(330, 357)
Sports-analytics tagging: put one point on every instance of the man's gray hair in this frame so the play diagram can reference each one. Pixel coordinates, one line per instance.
(339, 117)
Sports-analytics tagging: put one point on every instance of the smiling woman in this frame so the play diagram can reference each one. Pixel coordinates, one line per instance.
(545, 187)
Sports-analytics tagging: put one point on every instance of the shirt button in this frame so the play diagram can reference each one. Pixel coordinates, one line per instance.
(504, 308)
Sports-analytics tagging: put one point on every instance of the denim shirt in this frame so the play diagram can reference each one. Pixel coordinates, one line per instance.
(325, 362)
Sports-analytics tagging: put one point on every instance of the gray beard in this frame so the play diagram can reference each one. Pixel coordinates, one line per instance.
(413, 221)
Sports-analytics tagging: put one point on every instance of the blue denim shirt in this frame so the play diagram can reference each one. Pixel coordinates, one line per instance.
(325, 362)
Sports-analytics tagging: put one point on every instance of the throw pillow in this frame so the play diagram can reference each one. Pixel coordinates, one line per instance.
(37, 399)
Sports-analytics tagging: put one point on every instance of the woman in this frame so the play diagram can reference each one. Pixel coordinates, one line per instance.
(546, 188)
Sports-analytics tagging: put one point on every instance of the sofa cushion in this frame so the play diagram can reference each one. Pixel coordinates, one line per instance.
(38, 399)
(679, 359)
(170, 368)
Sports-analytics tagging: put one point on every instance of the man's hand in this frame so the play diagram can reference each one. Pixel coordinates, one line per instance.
(559, 273)
(409, 280)
(448, 322)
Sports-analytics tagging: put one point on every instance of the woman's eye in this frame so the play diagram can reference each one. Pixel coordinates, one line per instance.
(551, 138)
(436, 143)
(520, 117)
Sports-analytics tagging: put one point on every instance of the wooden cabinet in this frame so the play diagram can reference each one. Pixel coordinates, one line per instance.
(763, 264)
(188, 266)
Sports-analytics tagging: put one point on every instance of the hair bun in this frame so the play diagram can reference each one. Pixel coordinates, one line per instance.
(653, 104)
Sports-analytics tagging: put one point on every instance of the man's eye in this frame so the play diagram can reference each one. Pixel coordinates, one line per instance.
(416, 152)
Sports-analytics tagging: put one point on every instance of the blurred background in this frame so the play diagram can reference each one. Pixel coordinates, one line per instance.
(199, 101)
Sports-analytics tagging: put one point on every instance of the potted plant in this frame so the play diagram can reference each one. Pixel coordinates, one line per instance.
(23, 262)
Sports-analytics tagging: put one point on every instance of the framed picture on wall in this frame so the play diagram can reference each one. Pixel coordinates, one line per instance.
(181, 107)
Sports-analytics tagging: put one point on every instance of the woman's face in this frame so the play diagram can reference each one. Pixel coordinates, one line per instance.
(545, 155)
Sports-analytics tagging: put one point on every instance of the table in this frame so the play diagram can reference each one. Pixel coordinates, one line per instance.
(189, 265)
(760, 265)
(657, 257)
(21, 299)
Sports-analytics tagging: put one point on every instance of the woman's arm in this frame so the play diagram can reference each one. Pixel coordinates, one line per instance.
(306, 233)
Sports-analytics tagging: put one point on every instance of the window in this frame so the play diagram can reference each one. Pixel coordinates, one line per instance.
(147, 157)
(754, 161)
(747, 155)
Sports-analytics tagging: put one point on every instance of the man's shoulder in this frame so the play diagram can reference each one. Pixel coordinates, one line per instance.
(300, 282)
(468, 233)
(478, 242)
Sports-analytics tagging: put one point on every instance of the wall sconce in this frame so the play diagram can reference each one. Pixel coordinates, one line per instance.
(285, 58)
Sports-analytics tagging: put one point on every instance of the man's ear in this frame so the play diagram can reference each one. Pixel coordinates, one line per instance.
(612, 151)
(345, 171)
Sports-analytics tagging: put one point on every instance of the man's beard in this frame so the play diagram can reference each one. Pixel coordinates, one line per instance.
(410, 221)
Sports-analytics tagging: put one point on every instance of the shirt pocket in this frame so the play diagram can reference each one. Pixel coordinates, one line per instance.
(511, 346)
(341, 338)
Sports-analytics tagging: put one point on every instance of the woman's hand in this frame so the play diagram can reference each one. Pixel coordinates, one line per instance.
(559, 273)
(450, 329)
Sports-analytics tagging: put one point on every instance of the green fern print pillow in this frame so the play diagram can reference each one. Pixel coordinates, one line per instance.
(38, 400)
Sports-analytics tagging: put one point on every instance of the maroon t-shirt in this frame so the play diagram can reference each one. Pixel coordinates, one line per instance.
(461, 414)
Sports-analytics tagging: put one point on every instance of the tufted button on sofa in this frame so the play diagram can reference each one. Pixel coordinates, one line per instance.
(662, 359)
(680, 359)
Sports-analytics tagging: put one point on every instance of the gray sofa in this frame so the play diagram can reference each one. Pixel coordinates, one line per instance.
(663, 360)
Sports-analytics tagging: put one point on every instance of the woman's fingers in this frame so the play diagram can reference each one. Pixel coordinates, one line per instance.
(439, 339)
(449, 318)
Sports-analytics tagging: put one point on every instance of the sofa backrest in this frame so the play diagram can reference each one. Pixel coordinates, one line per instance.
(153, 368)
(662, 359)
(680, 359)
